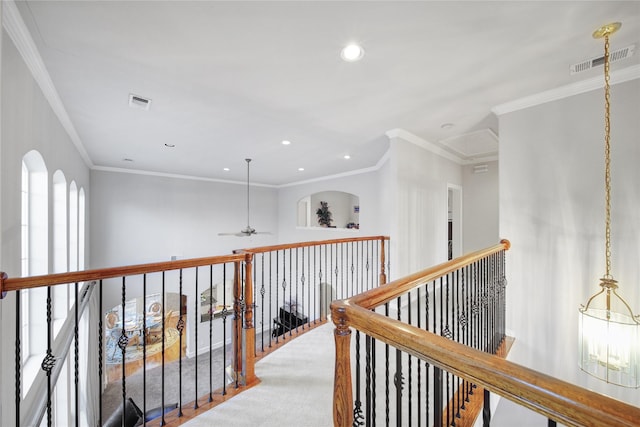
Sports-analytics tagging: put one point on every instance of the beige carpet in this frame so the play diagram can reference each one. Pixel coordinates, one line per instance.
(296, 388)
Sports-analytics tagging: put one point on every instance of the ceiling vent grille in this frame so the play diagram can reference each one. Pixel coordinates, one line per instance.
(136, 101)
(614, 56)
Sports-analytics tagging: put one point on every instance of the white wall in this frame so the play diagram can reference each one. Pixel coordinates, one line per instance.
(27, 123)
(419, 206)
(480, 207)
(552, 211)
(145, 218)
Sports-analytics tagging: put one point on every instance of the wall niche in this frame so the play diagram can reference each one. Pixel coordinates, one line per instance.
(344, 208)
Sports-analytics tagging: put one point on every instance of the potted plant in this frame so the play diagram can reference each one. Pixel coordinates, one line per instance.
(324, 215)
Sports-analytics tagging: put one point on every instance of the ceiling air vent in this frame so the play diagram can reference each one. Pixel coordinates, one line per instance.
(136, 101)
(614, 56)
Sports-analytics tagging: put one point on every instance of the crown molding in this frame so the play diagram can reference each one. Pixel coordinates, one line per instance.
(423, 143)
(577, 88)
(378, 165)
(19, 34)
(176, 176)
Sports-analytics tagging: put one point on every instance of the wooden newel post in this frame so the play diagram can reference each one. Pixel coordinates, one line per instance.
(249, 327)
(342, 388)
(383, 275)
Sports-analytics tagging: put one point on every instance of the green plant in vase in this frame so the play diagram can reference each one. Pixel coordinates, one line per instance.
(324, 215)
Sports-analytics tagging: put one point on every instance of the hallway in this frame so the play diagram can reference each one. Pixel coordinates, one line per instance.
(296, 388)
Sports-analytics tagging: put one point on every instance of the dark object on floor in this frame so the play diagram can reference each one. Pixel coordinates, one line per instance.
(154, 413)
(132, 415)
(287, 321)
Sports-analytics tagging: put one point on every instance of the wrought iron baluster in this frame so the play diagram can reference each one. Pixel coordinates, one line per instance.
(122, 344)
(262, 294)
(290, 286)
(271, 295)
(458, 387)
(373, 383)
(418, 364)
(316, 287)
(486, 409)
(410, 370)
(447, 333)
(284, 303)
(180, 328)
(225, 313)
(398, 379)
(144, 346)
(302, 287)
(18, 355)
(437, 396)
(367, 271)
(275, 331)
(49, 361)
(426, 364)
(164, 325)
(465, 329)
(387, 388)
(196, 313)
(76, 355)
(335, 269)
(297, 285)
(100, 351)
(224, 343)
(357, 409)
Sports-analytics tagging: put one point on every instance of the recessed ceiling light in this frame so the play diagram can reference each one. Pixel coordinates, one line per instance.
(170, 145)
(127, 160)
(285, 142)
(352, 52)
(226, 169)
(346, 156)
(301, 169)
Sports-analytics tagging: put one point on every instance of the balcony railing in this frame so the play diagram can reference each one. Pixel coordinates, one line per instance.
(171, 339)
(430, 344)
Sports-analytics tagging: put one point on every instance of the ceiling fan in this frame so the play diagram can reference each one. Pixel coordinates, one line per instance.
(248, 231)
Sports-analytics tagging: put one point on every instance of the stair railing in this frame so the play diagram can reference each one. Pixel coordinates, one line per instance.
(135, 282)
(301, 277)
(430, 351)
(289, 287)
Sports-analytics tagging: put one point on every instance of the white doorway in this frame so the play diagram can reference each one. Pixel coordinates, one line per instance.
(454, 221)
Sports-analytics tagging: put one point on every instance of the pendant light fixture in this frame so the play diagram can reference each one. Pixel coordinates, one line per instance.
(609, 341)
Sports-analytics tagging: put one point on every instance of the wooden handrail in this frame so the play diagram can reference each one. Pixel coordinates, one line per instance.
(17, 283)
(262, 249)
(559, 400)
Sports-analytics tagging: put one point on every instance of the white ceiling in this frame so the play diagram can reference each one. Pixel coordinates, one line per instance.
(230, 80)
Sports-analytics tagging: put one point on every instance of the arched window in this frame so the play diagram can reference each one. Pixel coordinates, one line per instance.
(59, 222)
(81, 228)
(35, 258)
(73, 227)
(60, 250)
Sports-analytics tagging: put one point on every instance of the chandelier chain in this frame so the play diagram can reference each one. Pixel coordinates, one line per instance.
(607, 159)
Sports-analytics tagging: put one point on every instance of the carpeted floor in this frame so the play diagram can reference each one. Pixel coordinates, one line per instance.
(112, 396)
(296, 388)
